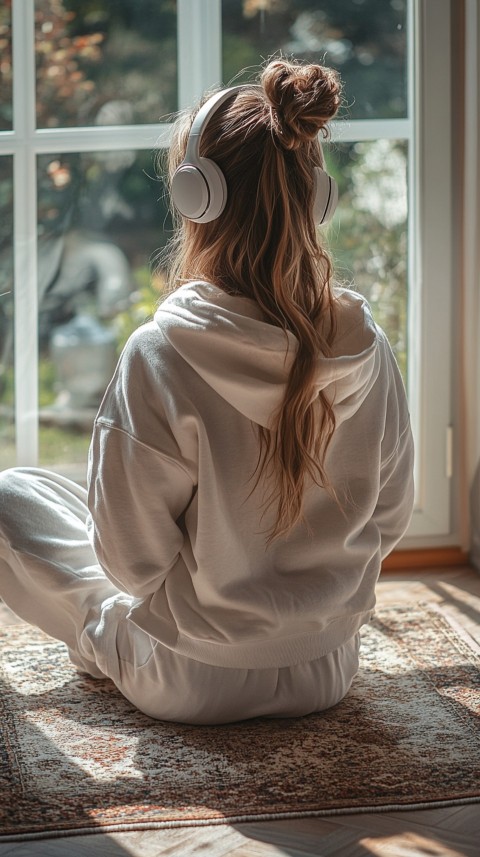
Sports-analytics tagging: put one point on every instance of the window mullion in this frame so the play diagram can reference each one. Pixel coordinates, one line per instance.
(358, 130)
(199, 48)
(101, 138)
(25, 233)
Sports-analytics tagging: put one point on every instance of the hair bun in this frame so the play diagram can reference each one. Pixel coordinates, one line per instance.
(303, 98)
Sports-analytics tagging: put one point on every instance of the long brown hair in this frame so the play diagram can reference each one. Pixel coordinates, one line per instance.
(265, 246)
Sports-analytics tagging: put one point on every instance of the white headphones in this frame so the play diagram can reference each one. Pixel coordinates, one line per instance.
(199, 189)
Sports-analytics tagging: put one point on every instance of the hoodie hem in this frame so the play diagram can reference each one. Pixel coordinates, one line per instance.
(257, 654)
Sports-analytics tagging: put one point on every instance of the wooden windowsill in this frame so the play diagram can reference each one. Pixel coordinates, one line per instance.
(445, 557)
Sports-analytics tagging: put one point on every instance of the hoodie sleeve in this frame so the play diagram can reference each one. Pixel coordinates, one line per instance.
(395, 501)
(138, 484)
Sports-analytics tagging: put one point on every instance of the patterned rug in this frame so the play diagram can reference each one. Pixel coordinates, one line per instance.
(76, 757)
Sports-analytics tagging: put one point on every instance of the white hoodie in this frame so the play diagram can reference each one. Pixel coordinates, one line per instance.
(175, 519)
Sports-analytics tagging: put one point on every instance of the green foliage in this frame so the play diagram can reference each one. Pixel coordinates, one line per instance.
(6, 112)
(364, 39)
(144, 302)
(66, 448)
(368, 239)
(138, 58)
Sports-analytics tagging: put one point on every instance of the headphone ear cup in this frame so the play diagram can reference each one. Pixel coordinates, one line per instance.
(199, 190)
(326, 196)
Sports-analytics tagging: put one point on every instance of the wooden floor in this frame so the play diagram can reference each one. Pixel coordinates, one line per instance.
(453, 832)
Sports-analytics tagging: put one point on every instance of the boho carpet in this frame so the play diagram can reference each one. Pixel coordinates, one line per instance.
(75, 757)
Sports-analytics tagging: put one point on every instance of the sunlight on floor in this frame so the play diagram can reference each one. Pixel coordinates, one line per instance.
(408, 845)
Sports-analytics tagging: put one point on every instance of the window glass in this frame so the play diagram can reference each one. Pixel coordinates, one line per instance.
(368, 236)
(103, 63)
(7, 422)
(364, 39)
(5, 67)
(102, 221)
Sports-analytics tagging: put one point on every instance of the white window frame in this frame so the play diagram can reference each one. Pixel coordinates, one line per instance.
(469, 315)
(430, 226)
(431, 279)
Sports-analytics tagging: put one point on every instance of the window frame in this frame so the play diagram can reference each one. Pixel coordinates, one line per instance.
(431, 270)
(430, 221)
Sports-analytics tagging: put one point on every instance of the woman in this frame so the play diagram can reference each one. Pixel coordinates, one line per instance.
(251, 463)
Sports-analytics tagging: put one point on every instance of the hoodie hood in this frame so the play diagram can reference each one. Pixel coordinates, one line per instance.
(246, 360)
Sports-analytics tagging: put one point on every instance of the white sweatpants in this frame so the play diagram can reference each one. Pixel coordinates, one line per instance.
(49, 576)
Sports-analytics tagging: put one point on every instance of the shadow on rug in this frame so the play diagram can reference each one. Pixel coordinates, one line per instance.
(76, 757)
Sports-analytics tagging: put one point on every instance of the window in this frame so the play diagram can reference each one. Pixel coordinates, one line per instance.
(87, 91)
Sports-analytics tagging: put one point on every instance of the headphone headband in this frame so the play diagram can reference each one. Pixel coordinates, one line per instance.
(199, 189)
(204, 115)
